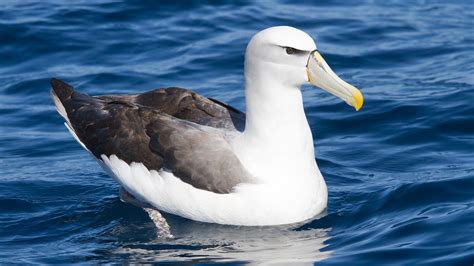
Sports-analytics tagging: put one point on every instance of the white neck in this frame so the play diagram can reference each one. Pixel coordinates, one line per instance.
(276, 127)
(275, 117)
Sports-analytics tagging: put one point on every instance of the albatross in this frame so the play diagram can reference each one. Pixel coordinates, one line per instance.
(176, 151)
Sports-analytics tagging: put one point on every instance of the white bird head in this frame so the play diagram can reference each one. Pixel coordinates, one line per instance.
(289, 57)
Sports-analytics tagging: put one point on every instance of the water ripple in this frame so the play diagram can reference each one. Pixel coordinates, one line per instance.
(399, 172)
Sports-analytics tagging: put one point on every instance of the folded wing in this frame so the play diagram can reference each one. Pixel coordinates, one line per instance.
(167, 129)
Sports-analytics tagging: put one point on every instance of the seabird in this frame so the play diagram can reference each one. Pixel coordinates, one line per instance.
(176, 151)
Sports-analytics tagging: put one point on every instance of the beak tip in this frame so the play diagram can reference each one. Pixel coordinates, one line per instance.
(358, 99)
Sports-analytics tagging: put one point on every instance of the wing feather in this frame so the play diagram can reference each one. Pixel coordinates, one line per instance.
(164, 128)
(198, 157)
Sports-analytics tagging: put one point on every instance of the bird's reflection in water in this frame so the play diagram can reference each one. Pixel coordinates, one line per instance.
(201, 243)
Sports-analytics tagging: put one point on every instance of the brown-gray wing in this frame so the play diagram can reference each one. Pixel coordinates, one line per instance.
(187, 105)
(195, 155)
(139, 132)
(107, 127)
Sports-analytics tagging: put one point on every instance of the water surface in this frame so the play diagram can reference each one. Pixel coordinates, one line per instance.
(400, 172)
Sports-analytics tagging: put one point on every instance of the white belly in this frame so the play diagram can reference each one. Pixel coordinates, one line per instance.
(260, 203)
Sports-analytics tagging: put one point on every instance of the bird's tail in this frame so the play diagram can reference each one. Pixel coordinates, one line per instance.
(61, 92)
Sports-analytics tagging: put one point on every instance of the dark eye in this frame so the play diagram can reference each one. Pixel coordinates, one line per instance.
(290, 50)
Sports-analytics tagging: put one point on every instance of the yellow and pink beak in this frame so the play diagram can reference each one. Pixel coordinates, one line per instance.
(322, 76)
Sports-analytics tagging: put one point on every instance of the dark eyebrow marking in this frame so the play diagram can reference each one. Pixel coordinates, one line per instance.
(296, 51)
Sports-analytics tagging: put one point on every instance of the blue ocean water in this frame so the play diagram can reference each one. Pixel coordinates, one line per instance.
(400, 172)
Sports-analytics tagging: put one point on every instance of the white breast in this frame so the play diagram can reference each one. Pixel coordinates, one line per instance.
(250, 204)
